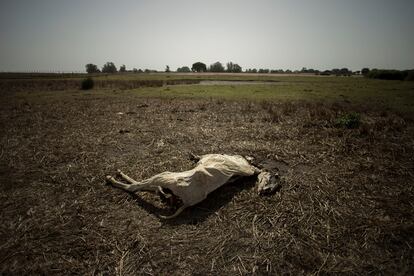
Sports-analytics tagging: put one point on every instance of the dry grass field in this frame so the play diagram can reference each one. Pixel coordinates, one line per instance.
(345, 206)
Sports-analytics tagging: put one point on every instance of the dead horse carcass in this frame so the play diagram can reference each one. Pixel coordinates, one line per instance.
(191, 187)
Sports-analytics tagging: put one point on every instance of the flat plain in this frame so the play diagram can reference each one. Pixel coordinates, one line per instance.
(345, 204)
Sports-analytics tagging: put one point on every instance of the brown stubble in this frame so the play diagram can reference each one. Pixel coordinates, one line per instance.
(345, 203)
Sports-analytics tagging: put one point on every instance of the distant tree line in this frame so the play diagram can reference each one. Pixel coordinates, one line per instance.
(386, 74)
(304, 70)
(217, 67)
(337, 72)
(110, 68)
(231, 67)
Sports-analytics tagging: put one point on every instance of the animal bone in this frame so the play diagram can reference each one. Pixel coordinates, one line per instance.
(191, 187)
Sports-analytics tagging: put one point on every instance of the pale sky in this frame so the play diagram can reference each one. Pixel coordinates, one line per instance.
(64, 35)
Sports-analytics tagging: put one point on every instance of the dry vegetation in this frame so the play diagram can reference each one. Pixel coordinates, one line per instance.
(24, 85)
(346, 203)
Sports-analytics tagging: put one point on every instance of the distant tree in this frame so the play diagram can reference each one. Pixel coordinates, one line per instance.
(217, 67)
(237, 68)
(199, 67)
(229, 66)
(140, 71)
(184, 69)
(167, 69)
(135, 70)
(365, 71)
(345, 72)
(122, 68)
(233, 67)
(91, 68)
(109, 67)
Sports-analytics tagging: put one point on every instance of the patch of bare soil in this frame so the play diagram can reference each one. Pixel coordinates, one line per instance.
(345, 206)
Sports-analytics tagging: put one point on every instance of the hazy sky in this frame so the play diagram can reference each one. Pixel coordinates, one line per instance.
(64, 35)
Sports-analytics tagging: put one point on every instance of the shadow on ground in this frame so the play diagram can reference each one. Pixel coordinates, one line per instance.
(196, 214)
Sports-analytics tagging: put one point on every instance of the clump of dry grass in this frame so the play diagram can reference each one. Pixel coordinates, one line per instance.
(345, 205)
(273, 112)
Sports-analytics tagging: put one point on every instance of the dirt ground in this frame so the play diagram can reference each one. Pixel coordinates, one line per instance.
(345, 206)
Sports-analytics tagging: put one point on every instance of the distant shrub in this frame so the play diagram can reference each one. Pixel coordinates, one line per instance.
(326, 73)
(264, 71)
(87, 84)
(149, 71)
(184, 69)
(349, 120)
(365, 71)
